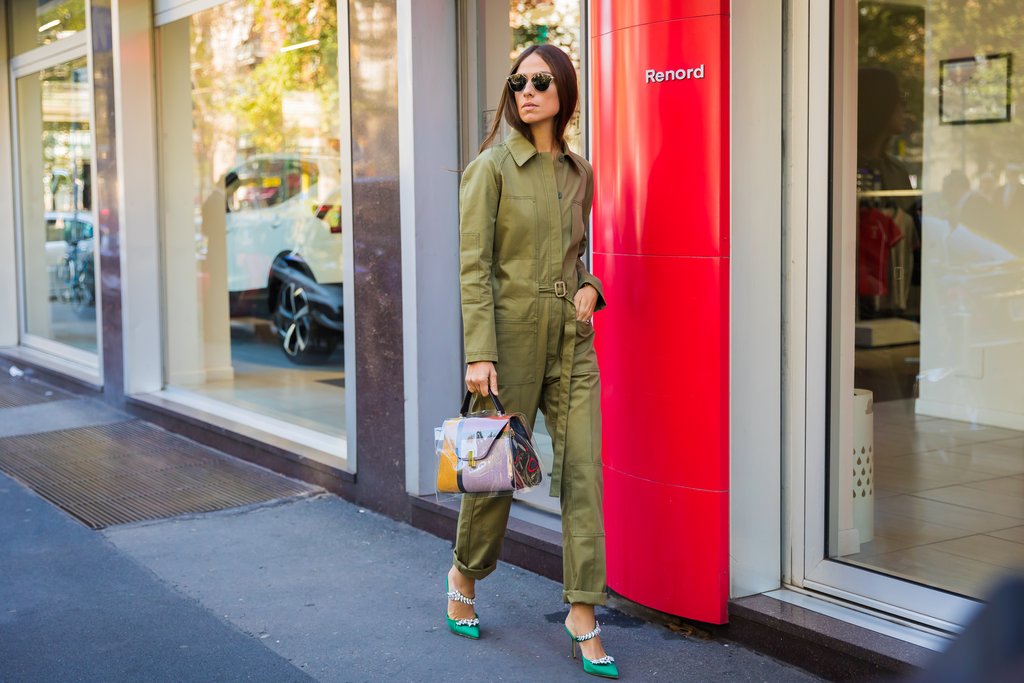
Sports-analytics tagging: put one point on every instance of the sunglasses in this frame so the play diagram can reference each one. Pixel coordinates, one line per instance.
(541, 81)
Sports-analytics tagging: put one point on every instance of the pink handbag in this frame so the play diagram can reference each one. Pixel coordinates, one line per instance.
(486, 453)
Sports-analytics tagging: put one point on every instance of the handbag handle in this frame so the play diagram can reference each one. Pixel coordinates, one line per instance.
(494, 400)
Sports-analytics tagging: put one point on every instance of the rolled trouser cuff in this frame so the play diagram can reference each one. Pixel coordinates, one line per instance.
(584, 597)
(475, 574)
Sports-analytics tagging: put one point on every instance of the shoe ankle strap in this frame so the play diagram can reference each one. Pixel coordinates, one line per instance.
(588, 636)
(459, 597)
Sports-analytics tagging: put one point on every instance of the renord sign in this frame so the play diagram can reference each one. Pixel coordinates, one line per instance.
(655, 76)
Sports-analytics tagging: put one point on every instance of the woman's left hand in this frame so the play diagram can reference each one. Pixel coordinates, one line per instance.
(585, 302)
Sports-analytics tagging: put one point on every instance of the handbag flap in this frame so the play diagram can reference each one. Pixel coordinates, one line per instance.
(476, 436)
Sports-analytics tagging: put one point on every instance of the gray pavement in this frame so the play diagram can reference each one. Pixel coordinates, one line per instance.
(75, 608)
(303, 589)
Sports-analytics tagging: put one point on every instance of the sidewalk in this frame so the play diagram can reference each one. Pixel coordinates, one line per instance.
(306, 588)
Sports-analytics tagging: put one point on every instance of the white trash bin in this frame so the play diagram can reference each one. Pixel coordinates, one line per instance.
(863, 463)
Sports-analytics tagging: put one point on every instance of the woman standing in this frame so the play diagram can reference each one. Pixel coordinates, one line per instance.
(527, 305)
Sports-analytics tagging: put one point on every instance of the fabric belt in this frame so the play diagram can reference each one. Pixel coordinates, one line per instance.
(567, 353)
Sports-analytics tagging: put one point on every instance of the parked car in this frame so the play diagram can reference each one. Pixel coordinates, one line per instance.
(284, 249)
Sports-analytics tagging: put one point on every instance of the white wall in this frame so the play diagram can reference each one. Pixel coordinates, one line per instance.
(183, 316)
(135, 78)
(755, 536)
(972, 311)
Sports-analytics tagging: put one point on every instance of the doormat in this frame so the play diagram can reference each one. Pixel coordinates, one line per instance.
(133, 471)
(21, 391)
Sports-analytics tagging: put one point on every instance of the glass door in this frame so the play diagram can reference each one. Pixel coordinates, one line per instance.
(915, 496)
(58, 246)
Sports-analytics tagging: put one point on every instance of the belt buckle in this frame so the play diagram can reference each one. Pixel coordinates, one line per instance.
(560, 289)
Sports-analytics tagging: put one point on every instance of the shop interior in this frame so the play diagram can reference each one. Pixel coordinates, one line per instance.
(937, 493)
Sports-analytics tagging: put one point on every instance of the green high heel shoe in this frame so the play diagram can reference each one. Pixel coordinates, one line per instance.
(467, 628)
(603, 666)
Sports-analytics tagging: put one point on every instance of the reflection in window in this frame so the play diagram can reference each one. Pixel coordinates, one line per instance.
(40, 22)
(252, 240)
(54, 112)
(931, 489)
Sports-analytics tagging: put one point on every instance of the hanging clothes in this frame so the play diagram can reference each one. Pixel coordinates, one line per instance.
(901, 260)
(877, 233)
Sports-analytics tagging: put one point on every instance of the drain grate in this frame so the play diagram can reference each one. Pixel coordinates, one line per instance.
(18, 391)
(132, 471)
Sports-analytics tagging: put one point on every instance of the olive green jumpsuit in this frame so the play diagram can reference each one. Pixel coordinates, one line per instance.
(523, 218)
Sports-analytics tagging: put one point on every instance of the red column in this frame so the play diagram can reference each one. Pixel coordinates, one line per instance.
(660, 78)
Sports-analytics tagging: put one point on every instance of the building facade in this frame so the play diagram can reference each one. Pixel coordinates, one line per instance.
(238, 219)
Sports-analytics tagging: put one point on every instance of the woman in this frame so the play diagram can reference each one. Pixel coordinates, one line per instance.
(527, 304)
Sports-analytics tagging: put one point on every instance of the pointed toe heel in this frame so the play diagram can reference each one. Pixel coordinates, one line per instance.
(604, 666)
(467, 628)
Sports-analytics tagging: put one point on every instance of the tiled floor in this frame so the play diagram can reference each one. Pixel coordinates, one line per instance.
(265, 382)
(949, 500)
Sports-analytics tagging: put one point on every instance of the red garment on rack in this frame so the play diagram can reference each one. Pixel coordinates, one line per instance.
(876, 234)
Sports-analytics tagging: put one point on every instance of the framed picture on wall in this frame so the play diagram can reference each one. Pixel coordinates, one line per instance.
(975, 89)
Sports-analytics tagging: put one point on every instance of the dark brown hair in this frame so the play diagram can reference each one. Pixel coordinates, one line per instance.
(565, 84)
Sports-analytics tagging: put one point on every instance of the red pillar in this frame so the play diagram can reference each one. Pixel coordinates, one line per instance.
(660, 80)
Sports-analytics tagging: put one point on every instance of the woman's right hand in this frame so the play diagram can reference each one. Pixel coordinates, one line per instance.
(482, 378)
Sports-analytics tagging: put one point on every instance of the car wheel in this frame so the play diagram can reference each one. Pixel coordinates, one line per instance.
(301, 339)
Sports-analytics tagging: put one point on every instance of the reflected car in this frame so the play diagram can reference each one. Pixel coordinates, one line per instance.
(284, 243)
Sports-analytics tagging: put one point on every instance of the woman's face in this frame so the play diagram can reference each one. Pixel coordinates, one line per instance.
(535, 106)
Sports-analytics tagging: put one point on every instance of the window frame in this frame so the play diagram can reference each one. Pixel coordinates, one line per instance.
(87, 365)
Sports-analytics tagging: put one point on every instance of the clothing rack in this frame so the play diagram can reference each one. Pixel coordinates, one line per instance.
(873, 194)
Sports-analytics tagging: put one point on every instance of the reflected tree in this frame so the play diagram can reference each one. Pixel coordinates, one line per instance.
(264, 80)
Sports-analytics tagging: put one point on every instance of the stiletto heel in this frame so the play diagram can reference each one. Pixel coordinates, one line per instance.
(467, 628)
(604, 666)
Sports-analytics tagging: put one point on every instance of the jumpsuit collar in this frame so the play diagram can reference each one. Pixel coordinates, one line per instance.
(522, 149)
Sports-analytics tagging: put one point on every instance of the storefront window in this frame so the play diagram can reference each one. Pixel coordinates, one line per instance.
(39, 22)
(55, 172)
(932, 487)
(252, 209)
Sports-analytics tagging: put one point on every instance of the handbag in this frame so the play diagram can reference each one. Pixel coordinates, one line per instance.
(485, 452)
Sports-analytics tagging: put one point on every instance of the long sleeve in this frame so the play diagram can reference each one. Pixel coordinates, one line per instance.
(584, 276)
(478, 210)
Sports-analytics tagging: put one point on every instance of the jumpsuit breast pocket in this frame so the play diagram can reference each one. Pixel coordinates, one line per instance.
(516, 237)
(517, 352)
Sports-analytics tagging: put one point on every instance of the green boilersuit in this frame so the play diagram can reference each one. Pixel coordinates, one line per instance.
(523, 218)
